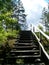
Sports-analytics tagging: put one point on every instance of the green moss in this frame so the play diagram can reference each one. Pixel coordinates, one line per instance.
(20, 61)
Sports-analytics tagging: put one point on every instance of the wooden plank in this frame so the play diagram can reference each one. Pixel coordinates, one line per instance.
(13, 51)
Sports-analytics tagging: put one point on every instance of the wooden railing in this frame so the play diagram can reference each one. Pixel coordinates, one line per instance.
(43, 40)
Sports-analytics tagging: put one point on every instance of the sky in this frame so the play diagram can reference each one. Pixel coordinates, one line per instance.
(33, 9)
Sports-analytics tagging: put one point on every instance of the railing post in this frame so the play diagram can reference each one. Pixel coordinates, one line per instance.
(40, 37)
(33, 29)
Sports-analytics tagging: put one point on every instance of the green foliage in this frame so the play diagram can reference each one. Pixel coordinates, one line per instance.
(6, 11)
(40, 27)
(3, 37)
(47, 33)
(45, 17)
(20, 61)
(14, 33)
(44, 41)
(8, 0)
(5, 5)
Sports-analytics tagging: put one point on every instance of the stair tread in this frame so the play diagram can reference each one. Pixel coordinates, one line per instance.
(23, 43)
(26, 39)
(24, 56)
(30, 56)
(25, 46)
(25, 51)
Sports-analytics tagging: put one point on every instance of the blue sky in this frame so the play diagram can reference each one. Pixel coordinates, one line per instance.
(33, 9)
(47, 0)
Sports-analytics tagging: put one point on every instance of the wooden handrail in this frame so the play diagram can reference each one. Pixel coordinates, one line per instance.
(41, 46)
(46, 36)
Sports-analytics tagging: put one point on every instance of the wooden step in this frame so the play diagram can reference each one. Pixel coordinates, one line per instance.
(23, 44)
(25, 41)
(15, 51)
(24, 53)
(23, 47)
(28, 56)
(25, 56)
(32, 46)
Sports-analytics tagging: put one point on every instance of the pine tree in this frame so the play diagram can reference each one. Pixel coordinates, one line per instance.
(19, 14)
(45, 18)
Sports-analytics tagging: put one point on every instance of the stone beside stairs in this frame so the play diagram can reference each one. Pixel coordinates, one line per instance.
(26, 48)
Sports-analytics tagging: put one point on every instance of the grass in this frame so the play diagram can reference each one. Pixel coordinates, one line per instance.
(47, 33)
(20, 61)
(44, 41)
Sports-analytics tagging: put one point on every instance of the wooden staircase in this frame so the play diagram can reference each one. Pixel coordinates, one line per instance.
(26, 48)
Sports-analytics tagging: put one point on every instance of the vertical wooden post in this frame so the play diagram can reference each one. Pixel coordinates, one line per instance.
(33, 29)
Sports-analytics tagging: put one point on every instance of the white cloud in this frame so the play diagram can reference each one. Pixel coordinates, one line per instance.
(33, 9)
